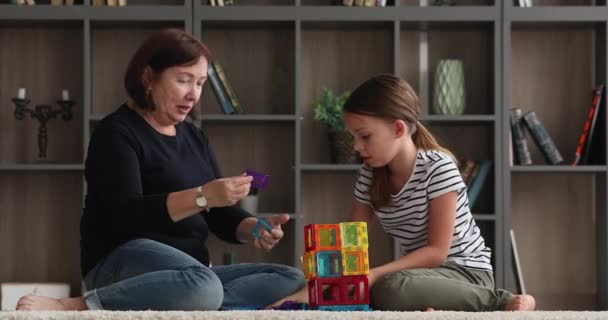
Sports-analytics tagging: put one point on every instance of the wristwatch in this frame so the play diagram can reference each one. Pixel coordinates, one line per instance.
(201, 200)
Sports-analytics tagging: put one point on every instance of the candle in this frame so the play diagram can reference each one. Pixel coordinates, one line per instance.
(21, 93)
(65, 95)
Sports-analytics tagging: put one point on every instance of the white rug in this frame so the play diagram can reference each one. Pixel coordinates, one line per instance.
(300, 315)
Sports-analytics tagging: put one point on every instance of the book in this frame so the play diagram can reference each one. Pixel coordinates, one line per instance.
(542, 138)
(591, 118)
(70, 2)
(594, 151)
(519, 276)
(370, 3)
(56, 2)
(122, 3)
(218, 89)
(112, 3)
(520, 145)
(478, 182)
(227, 87)
(98, 2)
(359, 3)
(212, 3)
(12, 291)
(30, 2)
(466, 169)
(347, 2)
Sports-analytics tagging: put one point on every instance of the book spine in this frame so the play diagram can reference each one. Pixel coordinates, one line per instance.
(583, 138)
(478, 182)
(219, 92)
(227, 87)
(542, 139)
(522, 153)
(597, 102)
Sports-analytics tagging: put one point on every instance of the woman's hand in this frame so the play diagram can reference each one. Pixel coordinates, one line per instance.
(268, 239)
(226, 191)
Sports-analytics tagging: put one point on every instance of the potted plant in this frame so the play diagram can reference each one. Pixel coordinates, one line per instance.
(329, 111)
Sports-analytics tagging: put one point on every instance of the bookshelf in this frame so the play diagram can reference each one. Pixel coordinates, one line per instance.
(278, 55)
(542, 45)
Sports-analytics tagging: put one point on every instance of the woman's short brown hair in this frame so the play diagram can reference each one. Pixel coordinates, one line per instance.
(162, 50)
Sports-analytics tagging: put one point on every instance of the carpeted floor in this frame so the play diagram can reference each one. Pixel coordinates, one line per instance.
(301, 315)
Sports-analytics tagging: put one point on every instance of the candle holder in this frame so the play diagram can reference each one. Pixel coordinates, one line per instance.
(44, 113)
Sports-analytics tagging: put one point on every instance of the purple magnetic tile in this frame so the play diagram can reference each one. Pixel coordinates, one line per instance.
(260, 180)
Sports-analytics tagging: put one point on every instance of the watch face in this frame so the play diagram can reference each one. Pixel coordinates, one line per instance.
(201, 201)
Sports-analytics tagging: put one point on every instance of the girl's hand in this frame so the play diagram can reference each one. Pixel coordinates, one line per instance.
(226, 191)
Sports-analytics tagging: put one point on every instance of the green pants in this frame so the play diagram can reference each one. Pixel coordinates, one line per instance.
(448, 287)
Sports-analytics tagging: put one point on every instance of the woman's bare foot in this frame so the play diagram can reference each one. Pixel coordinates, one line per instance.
(32, 302)
(299, 297)
(429, 309)
(522, 302)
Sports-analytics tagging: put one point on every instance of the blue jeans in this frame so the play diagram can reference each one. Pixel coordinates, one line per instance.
(148, 275)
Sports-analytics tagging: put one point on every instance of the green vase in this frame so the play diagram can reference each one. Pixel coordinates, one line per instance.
(449, 93)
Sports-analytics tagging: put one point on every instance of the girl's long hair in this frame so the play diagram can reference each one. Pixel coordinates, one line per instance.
(391, 98)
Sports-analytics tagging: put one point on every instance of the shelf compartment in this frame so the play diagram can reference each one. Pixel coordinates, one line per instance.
(338, 3)
(112, 47)
(562, 3)
(282, 253)
(457, 139)
(555, 14)
(268, 85)
(238, 3)
(575, 213)
(267, 147)
(38, 13)
(457, 3)
(328, 197)
(423, 46)
(39, 224)
(44, 76)
(558, 169)
(488, 232)
(329, 53)
(41, 167)
(536, 82)
(154, 3)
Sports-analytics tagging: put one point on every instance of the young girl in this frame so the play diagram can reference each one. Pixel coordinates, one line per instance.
(411, 185)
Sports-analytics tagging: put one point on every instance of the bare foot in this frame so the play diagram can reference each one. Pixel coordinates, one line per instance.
(299, 297)
(522, 302)
(429, 309)
(32, 302)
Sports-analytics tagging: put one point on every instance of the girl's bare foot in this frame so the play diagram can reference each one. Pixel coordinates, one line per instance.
(522, 302)
(32, 302)
(429, 309)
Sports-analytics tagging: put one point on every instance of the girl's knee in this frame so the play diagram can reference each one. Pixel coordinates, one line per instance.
(395, 293)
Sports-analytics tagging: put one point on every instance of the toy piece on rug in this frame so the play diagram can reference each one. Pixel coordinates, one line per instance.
(336, 265)
(291, 305)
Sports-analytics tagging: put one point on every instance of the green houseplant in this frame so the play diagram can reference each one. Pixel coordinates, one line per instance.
(328, 110)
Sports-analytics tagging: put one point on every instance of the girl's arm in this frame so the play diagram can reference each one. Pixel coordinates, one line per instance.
(442, 211)
(361, 212)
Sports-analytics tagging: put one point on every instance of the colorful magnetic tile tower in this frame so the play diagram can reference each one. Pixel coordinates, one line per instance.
(336, 264)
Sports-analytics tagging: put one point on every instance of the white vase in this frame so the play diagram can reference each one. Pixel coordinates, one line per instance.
(449, 91)
(250, 204)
